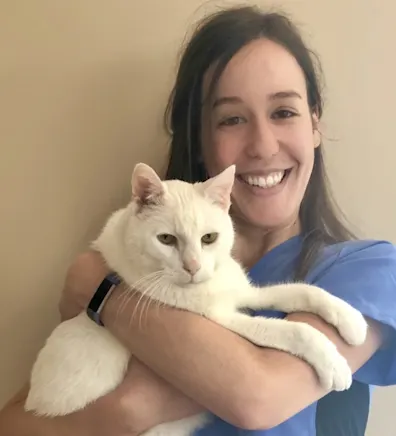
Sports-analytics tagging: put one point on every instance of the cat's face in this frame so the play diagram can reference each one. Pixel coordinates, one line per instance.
(182, 230)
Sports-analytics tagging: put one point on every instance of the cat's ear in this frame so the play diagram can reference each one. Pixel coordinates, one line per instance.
(219, 188)
(147, 187)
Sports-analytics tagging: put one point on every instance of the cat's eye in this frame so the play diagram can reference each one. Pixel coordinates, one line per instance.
(167, 239)
(209, 238)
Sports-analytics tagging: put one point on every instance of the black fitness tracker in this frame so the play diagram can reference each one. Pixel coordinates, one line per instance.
(100, 296)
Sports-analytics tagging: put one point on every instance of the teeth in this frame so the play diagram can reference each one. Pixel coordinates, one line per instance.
(264, 182)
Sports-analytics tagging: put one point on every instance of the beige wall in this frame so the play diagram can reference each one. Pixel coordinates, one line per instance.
(82, 90)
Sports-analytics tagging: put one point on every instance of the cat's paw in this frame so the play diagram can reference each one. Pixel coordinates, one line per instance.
(335, 373)
(341, 375)
(350, 324)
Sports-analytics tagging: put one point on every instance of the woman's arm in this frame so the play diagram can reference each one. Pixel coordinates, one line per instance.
(250, 387)
(14, 421)
(142, 401)
(293, 385)
(245, 385)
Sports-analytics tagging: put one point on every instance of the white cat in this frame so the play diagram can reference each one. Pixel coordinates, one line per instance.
(173, 243)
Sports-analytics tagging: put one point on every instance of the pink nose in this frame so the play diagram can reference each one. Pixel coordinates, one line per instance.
(192, 266)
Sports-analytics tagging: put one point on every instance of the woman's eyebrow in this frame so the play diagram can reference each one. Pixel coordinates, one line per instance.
(226, 100)
(284, 94)
(274, 96)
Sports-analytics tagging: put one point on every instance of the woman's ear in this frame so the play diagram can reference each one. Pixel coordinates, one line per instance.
(317, 136)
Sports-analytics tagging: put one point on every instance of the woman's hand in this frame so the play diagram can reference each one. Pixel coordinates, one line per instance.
(153, 400)
(82, 279)
(141, 402)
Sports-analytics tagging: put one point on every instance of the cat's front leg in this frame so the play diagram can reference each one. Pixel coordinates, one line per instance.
(301, 297)
(193, 299)
(297, 338)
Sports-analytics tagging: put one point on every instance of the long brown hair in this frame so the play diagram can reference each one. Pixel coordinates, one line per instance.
(215, 41)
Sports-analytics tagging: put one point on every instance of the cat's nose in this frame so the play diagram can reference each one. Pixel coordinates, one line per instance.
(192, 266)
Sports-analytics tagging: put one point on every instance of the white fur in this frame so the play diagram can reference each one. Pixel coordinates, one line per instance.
(81, 361)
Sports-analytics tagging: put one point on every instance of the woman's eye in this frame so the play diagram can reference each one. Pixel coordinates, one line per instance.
(283, 114)
(231, 121)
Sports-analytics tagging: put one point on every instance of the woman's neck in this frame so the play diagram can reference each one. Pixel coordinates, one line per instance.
(252, 243)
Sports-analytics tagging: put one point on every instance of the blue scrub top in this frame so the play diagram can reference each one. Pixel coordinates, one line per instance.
(362, 273)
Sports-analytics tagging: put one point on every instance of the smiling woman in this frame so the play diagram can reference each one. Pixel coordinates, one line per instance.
(261, 120)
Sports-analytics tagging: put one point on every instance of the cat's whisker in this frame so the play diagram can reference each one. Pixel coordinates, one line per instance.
(152, 280)
(149, 293)
(158, 303)
(158, 306)
(130, 292)
(153, 301)
(144, 304)
(141, 299)
(126, 299)
(147, 288)
(125, 296)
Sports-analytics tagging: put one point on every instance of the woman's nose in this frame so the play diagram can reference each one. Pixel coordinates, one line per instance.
(262, 143)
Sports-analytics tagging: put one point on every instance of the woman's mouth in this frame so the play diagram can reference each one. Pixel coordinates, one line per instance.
(264, 181)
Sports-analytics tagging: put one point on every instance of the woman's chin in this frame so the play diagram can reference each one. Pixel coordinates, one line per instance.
(273, 220)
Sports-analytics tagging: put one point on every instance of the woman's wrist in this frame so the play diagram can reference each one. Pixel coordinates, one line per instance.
(82, 280)
(96, 270)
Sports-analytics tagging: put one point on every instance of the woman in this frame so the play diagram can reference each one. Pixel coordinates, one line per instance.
(246, 93)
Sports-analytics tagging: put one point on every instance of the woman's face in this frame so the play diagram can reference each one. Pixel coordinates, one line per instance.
(259, 119)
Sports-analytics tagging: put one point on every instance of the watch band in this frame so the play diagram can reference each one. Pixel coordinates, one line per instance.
(100, 297)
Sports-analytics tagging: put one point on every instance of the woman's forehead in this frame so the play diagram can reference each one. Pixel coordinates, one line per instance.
(262, 66)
